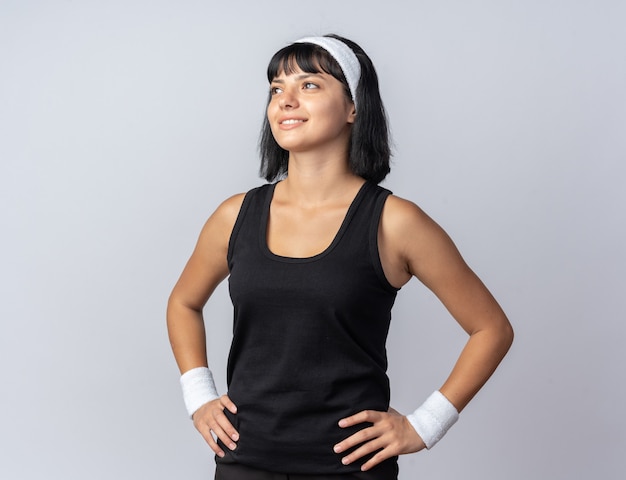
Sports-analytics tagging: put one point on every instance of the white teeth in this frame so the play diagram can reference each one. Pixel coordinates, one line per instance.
(291, 121)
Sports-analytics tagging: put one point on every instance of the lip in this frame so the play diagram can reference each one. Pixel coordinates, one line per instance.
(287, 123)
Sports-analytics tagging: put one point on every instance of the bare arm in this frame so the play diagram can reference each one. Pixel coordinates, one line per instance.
(415, 245)
(206, 268)
(412, 244)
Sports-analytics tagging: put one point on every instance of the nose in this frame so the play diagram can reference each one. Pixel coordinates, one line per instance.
(288, 99)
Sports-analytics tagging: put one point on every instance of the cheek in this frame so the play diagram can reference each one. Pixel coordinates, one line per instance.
(268, 114)
(272, 104)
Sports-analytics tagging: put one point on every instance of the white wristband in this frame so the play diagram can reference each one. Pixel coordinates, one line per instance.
(198, 388)
(433, 418)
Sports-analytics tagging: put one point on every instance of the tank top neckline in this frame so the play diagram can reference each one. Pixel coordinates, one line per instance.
(336, 239)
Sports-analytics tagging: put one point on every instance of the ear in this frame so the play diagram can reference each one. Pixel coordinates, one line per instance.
(352, 114)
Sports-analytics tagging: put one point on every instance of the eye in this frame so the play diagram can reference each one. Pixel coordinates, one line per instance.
(310, 85)
(274, 90)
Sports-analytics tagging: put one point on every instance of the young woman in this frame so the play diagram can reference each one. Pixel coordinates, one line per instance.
(314, 261)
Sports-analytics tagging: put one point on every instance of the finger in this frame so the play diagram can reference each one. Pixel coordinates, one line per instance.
(361, 417)
(376, 459)
(226, 426)
(228, 403)
(211, 420)
(205, 431)
(218, 429)
(355, 439)
(364, 450)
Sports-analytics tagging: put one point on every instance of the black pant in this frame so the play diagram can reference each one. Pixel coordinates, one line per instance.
(233, 471)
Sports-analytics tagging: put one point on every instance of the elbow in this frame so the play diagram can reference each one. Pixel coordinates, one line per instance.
(511, 334)
(506, 335)
(180, 310)
(499, 336)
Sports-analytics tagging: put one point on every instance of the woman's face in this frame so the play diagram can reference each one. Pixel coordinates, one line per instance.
(309, 111)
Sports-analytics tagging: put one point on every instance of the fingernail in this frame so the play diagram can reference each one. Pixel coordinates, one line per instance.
(232, 446)
(220, 454)
(342, 423)
(235, 437)
(337, 448)
(345, 460)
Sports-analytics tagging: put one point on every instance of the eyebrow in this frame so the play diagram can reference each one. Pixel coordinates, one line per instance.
(299, 77)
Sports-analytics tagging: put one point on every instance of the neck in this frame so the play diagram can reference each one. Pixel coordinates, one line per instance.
(315, 180)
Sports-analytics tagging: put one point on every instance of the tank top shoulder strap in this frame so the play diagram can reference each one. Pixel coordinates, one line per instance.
(249, 215)
(378, 202)
(360, 230)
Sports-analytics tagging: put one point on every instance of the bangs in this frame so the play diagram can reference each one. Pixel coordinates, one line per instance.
(307, 57)
(369, 151)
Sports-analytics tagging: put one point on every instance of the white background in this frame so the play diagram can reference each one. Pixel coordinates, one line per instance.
(124, 124)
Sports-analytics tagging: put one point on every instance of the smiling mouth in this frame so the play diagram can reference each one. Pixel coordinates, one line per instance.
(291, 121)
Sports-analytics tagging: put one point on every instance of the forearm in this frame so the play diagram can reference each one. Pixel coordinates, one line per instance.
(187, 336)
(481, 355)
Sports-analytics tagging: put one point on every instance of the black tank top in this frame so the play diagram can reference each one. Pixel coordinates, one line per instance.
(308, 338)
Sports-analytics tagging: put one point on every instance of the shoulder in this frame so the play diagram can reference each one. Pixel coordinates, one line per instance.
(218, 227)
(413, 239)
(400, 216)
(228, 210)
(223, 219)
